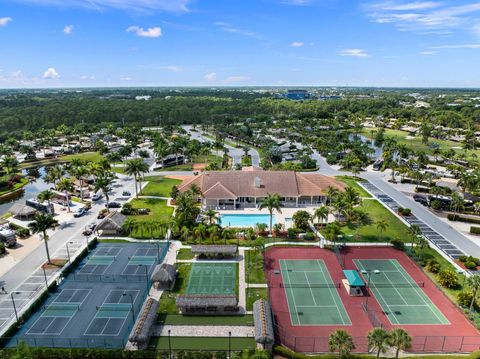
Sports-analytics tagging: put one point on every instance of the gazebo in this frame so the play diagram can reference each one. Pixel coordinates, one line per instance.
(22, 211)
(207, 304)
(263, 320)
(215, 250)
(143, 326)
(164, 276)
(353, 283)
(112, 224)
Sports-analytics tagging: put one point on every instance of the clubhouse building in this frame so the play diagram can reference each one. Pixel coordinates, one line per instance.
(227, 190)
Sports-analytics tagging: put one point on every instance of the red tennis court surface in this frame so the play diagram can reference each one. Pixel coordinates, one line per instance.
(458, 336)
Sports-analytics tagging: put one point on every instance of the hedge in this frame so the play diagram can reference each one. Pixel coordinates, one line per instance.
(474, 230)
(458, 218)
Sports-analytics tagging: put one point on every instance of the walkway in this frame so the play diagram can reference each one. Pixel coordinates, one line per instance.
(203, 330)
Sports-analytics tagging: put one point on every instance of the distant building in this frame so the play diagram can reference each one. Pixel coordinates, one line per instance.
(297, 95)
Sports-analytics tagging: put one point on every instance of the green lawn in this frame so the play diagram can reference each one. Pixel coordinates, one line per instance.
(159, 212)
(254, 294)
(186, 167)
(351, 182)
(84, 156)
(167, 300)
(369, 233)
(254, 267)
(185, 254)
(202, 343)
(417, 145)
(177, 319)
(159, 186)
(23, 182)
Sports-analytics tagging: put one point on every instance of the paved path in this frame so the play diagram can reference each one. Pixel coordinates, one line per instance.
(242, 290)
(203, 330)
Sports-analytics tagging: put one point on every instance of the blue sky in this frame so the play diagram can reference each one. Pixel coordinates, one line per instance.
(83, 43)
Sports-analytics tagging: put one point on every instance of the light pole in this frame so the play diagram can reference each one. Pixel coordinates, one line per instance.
(229, 345)
(86, 239)
(45, 277)
(169, 345)
(369, 272)
(14, 306)
(68, 252)
(131, 302)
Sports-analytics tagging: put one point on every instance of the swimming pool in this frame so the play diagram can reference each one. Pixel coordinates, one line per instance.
(245, 220)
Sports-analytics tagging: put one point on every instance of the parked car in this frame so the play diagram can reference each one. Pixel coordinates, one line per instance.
(102, 214)
(421, 199)
(113, 205)
(126, 193)
(89, 229)
(79, 212)
(97, 196)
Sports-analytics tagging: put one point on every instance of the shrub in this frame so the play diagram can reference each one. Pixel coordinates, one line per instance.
(456, 217)
(462, 259)
(2, 248)
(405, 211)
(19, 230)
(470, 265)
(309, 236)
(448, 279)
(436, 204)
(474, 230)
(397, 244)
(473, 259)
(433, 266)
(292, 234)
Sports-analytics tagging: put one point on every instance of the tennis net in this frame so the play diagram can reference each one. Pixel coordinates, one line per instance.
(397, 285)
(69, 307)
(311, 285)
(119, 307)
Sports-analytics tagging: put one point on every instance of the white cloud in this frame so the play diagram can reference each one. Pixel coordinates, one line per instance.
(233, 79)
(125, 78)
(297, 44)
(425, 16)
(51, 74)
(67, 30)
(5, 20)
(177, 6)
(460, 46)
(297, 2)
(428, 53)
(17, 74)
(87, 77)
(212, 76)
(173, 68)
(354, 53)
(224, 26)
(152, 32)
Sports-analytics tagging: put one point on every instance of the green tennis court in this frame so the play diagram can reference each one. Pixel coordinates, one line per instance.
(312, 296)
(212, 278)
(145, 260)
(402, 299)
(101, 260)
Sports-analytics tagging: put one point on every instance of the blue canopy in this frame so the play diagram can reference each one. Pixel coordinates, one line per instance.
(354, 279)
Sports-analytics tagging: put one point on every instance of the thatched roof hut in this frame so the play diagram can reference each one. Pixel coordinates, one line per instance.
(164, 276)
(263, 319)
(207, 303)
(22, 210)
(215, 250)
(112, 224)
(143, 326)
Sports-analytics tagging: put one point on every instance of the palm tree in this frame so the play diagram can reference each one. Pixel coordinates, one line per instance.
(414, 231)
(134, 168)
(211, 216)
(474, 283)
(378, 340)
(332, 231)
(400, 340)
(41, 223)
(46, 195)
(457, 203)
(272, 202)
(66, 185)
(9, 164)
(321, 213)
(79, 174)
(341, 342)
(104, 183)
(382, 226)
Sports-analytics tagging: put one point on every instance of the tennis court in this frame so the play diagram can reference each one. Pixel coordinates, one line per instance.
(212, 278)
(95, 310)
(312, 296)
(400, 297)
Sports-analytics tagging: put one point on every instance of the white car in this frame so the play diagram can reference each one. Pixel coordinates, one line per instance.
(97, 196)
(79, 212)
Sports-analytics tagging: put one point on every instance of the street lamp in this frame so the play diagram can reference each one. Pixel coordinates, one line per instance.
(369, 272)
(86, 239)
(68, 252)
(13, 302)
(45, 277)
(229, 345)
(131, 302)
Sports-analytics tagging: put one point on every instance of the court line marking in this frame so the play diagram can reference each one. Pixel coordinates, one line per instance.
(422, 295)
(284, 264)
(330, 289)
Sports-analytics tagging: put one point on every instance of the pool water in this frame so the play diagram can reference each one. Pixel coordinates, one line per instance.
(245, 220)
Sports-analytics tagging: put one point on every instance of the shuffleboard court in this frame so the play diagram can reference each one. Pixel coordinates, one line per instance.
(402, 299)
(312, 297)
(212, 278)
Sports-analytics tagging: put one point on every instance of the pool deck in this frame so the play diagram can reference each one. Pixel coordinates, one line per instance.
(287, 212)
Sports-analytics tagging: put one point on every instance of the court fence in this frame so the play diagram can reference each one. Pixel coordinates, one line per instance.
(420, 344)
(106, 278)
